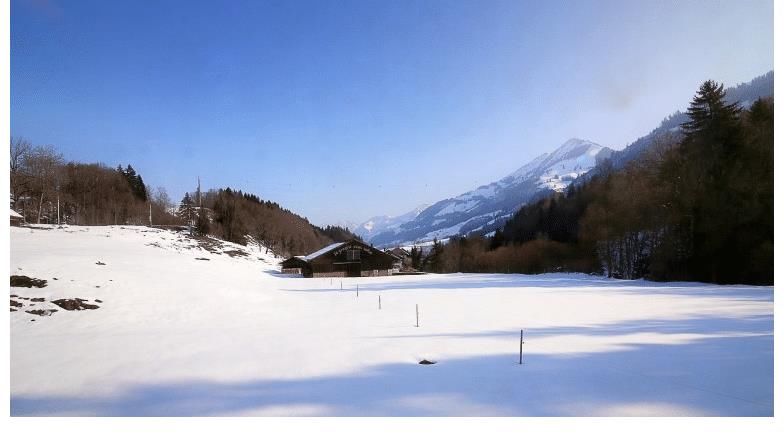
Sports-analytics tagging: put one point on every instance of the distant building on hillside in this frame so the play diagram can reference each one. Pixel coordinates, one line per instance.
(16, 218)
(351, 258)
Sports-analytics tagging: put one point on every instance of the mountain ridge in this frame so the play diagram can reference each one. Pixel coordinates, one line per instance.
(471, 213)
(488, 205)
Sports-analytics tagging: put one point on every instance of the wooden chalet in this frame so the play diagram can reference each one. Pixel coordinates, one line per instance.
(351, 258)
(16, 218)
(402, 254)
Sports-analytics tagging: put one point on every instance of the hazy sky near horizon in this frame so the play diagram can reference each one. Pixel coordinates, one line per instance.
(341, 110)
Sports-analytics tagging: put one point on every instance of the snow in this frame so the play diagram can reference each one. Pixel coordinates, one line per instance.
(568, 162)
(178, 336)
(369, 225)
(15, 214)
(322, 251)
(485, 191)
(525, 171)
(459, 206)
(386, 223)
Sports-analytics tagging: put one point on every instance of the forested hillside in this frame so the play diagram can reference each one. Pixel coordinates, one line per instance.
(698, 206)
(47, 189)
(245, 218)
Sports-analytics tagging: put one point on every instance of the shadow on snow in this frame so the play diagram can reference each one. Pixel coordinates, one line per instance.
(724, 375)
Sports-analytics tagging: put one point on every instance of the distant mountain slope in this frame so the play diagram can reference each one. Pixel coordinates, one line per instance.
(745, 94)
(384, 223)
(487, 207)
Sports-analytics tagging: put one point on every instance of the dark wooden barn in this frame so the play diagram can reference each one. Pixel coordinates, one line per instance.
(351, 258)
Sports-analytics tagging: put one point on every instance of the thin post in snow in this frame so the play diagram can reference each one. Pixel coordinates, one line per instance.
(341, 285)
(521, 347)
(417, 314)
(357, 290)
(379, 301)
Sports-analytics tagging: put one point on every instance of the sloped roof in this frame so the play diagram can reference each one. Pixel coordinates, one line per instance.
(15, 214)
(333, 246)
(322, 251)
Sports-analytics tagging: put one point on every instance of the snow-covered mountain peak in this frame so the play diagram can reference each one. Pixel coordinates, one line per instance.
(576, 155)
(575, 147)
(525, 170)
(489, 205)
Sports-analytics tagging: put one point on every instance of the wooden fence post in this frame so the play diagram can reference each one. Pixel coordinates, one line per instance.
(521, 346)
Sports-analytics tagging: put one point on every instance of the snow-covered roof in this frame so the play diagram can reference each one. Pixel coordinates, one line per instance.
(15, 214)
(322, 251)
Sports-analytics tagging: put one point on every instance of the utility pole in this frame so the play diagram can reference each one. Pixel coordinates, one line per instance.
(151, 213)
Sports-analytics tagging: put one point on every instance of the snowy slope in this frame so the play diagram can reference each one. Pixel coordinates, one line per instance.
(486, 208)
(176, 335)
(385, 223)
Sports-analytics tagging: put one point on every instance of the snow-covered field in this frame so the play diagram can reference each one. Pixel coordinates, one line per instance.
(177, 335)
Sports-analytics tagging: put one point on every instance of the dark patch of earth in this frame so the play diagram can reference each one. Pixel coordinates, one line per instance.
(236, 253)
(41, 312)
(74, 304)
(26, 281)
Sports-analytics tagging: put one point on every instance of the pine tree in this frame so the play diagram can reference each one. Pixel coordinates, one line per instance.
(706, 198)
(186, 209)
(708, 112)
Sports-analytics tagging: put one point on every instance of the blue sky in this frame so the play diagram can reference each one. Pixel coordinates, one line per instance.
(341, 110)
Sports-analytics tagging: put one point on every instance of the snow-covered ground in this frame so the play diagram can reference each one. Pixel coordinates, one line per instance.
(177, 335)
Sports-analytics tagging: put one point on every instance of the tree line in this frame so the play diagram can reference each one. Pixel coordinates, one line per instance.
(47, 189)
(694, 206)
(244, 218)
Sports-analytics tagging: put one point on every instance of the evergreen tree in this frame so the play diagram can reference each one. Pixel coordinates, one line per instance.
(186, 209)
(707, 201)
(135, 182)
(434, 261)
(708, 112)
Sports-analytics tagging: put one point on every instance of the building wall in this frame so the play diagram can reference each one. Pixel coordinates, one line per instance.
(334, 274)
(292, 271)
(364, 273)
(376, 272)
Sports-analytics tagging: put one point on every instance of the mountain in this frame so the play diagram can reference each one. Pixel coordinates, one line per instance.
(384, 223)
(487, 207)
(348, 224)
